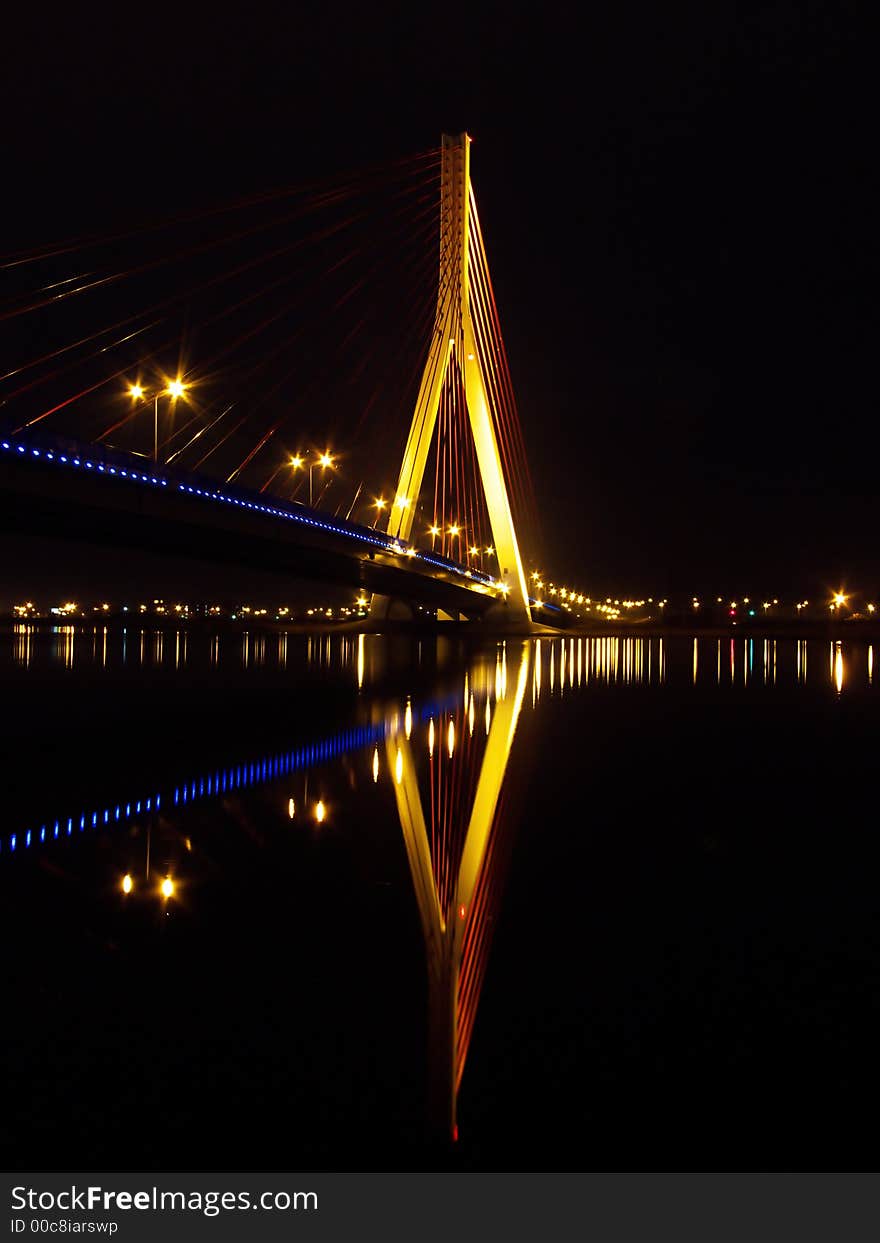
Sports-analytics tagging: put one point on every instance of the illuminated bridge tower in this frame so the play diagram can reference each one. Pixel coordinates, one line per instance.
(454, 344)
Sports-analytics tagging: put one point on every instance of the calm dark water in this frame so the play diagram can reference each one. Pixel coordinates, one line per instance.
(589, 904)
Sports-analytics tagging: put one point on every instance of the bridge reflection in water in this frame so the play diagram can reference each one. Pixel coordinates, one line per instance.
(557, 664)
(448, 757)
(448, 800)
(455, 855)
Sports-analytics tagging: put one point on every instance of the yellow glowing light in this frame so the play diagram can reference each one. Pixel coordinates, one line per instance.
(362, 602)
(320, 811)
(127, 883)
(402, 502)
(474, 551)
(177, 388)
(375, 764)
(380, 502)
(490, 551)
(167, 887)
(136, 392)
(431, 738)
(450, 738)
(454, 530)
(325, 460)
(296, 462)
(433, 530)
(839, 598)
(291, 808)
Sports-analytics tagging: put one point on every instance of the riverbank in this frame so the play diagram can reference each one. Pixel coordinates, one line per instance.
(862, 629)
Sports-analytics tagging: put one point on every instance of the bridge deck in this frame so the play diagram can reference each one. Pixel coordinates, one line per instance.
(87, 492)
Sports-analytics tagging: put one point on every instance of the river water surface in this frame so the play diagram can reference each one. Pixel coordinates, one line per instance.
(272, 901)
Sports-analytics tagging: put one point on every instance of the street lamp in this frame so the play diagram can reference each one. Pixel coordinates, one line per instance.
(176, 388)
(324, 460)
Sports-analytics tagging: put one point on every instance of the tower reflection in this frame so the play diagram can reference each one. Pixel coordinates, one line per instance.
(428, 778)
(453, 853)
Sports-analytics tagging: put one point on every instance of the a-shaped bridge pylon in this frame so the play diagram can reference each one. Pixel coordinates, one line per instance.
(457, 357)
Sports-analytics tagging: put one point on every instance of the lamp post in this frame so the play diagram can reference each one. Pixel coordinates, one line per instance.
(176, 388)
(296, 463)
(323, 460)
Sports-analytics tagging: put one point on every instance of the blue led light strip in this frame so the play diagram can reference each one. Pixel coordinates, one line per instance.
(205, 786)
(210, 785)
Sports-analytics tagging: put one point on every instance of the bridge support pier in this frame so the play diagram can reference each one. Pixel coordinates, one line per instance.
(390, 608)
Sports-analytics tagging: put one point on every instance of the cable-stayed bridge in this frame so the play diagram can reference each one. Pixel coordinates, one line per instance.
(143, 404)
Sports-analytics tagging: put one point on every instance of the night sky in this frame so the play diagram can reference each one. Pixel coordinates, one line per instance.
(679, 217)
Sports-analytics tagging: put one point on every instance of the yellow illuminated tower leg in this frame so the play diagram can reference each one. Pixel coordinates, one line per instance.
(444, 931)
(454, 341)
